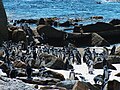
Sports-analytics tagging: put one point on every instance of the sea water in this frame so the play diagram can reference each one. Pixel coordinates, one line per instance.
(35, 9)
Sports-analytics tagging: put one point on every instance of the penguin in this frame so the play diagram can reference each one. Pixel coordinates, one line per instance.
(72, 75)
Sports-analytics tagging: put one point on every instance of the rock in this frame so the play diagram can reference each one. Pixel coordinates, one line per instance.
(96, 17)
(59, 38)
(40, 81)
(30, 21)
(3, 24)
(76, 29)
(19, 64)
(111, 35)
(84, 86)
(55, 75)
(115, 22)
(117, 52)
(52, 88)
(76, 85)
(53, 62)
(68, 84)
(4, 67)
(113, 85)
(97, 27)
(100, 66)
(65, 24)
(14, 84)
(18, 35)
(114, 59)
(41, 21)
(118, 74)
(1, 53)
(97, 40)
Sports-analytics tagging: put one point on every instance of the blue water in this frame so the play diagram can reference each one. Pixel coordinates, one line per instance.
(35, 9)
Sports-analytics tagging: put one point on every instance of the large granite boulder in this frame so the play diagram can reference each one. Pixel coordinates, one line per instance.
(18, 35)
(98, 27)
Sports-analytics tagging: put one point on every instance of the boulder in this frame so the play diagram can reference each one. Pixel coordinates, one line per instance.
(40, 81)
(100, 66)
(97, 40)
(68, 84)
(114, 59)
(76, 85)
(41, 21)
(76, 29)
(56, 37)
(30, 21)
(4, 67)
(111, 35)
(14, 84)
(113, 85)
(55, 75)
(118, 74)
(52, 88)
(3, 24)
(19, 64)
(84, 86)
(65, 24)
(53, 62)
(115, 22)
(96, 17)
(18, 35)
(117, 52)
(97, 27)
(1, 53)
